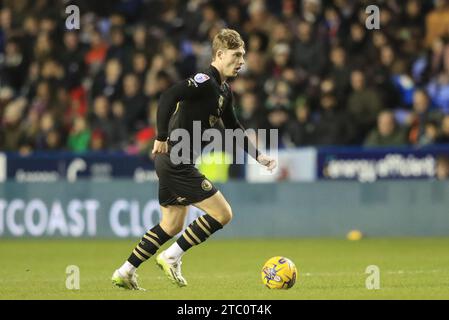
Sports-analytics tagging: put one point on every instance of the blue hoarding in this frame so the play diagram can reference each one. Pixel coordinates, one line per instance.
(51, 167)
(371, 164)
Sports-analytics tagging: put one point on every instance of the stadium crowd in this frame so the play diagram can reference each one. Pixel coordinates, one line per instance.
(313, 70)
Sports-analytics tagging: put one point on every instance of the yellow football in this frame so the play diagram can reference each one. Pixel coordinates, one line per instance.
(354, 235)
(279, 273)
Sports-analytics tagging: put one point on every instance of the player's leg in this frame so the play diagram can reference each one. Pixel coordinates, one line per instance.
(172, 222)
(218, 213)
(192, 187)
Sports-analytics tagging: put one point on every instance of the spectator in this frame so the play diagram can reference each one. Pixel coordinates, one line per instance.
(172, 63)
(153, 87)
(437, 21)
(76, 105)
(52, 72)
(333, 25)
(281, 60)
(257, 42)
(11, 131)
(118, 49)
(14, 67)
(31, 126)
(363, 105)
(98, 141)
(278, 108)
(96, 54)
(203, 49)
(33, 75)
(443, 137)
(43, 48)
(340, 73)
(430, 134)
(79, 137)
(301, 129)
(234, 17)
(311, 10)
(144, 140)
(72, 59)
(434, 63)
(46, 125)
(140, 66)
(42, 100)
(280, 34)
(5, 26)
(250, 111)
(289, 13)
(412, 26)
(134, 103)
(442, 168)
(279, 95)
(108, 83)
(53, 140)
(120, 134)
(101, 124)
(308, 52)
(387, 133)
(387, 84)
(278, 119)
(331, 125)
(210, 18)
(141, 40)
(438, 90)
(420, 116)
(259, 19)
(256, 68)
(356, 45)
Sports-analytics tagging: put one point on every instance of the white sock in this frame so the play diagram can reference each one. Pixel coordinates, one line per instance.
(174, 252)
(127, 268)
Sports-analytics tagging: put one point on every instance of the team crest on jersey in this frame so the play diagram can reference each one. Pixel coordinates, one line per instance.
(212, 120)
(206, 185)
(201, 77)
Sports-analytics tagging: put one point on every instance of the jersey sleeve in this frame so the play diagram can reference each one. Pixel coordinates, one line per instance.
(189, 89)
(230, 121)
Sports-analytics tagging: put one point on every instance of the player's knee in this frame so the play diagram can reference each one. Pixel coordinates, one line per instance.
(172, 224)
(224, 216)
(171, 228)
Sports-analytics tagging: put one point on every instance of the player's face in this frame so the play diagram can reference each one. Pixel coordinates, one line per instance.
(233, 61)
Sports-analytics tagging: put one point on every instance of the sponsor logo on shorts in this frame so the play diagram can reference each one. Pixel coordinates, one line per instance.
(181, 199)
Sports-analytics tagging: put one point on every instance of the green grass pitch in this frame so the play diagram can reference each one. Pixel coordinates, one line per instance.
(230, 269)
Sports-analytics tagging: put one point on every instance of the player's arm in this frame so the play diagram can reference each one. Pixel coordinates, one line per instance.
(230, 121)
(184, 90)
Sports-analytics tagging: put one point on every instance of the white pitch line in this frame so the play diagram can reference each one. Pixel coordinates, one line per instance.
(333, 274)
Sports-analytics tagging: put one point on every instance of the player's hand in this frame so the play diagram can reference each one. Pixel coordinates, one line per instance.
(159, 147)
(267, 161)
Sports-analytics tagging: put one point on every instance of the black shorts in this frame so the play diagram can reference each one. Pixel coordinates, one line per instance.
(181, 184)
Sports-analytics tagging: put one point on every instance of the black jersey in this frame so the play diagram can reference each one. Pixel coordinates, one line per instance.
(202, 98)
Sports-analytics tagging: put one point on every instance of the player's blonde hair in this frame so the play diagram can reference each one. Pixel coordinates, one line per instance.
(226, 39)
